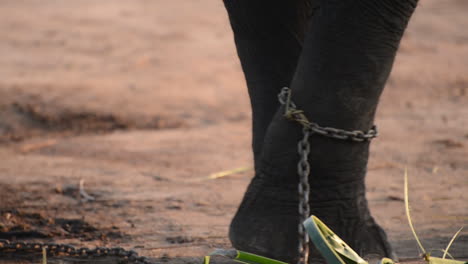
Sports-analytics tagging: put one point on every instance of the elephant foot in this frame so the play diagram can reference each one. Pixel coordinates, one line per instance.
(344, 209)
(267, 220)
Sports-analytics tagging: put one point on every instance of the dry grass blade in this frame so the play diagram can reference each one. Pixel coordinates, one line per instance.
(228, 172)
(222, 174)
(407, 208)
(451, 241)
(44, 255)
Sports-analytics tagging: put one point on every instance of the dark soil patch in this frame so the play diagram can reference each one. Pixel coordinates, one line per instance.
(23, 120)
(75, 226)
(19, 225)
(182, 239)
(29, 222)
(68, 120)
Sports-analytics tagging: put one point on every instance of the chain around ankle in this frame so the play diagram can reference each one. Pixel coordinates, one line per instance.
(292, 113)
(303, 166)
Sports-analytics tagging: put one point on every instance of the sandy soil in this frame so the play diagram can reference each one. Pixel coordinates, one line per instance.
(143, 100)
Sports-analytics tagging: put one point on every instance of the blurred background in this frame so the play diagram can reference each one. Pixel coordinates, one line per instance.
(143, 100)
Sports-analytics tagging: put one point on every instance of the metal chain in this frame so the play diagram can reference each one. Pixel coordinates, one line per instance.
(303, 166)
(71, 251)
(303, 169)
(291, 112)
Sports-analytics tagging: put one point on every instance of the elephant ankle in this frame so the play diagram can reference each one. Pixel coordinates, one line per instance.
(345, 200)
(341, 191)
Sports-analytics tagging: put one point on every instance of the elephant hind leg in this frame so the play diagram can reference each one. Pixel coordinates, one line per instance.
(268, 37)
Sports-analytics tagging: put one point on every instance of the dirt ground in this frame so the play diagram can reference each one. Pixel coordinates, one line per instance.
(144, 100)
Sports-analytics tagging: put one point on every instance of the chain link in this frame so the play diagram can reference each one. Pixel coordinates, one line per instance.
(71, 251)
(303, 166)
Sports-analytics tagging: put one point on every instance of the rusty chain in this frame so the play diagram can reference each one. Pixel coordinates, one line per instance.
(291, 112)
(303, 166)
(71, 251)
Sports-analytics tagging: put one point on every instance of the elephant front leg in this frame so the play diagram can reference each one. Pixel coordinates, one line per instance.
(347, 56)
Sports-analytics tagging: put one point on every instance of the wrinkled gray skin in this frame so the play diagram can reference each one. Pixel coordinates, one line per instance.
(336, 56)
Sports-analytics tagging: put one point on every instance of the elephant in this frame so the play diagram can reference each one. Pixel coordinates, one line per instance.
(336, 56)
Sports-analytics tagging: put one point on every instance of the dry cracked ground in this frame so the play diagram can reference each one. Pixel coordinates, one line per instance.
(141, 101)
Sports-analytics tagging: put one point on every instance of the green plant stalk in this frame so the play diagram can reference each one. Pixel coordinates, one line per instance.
(250, 258)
